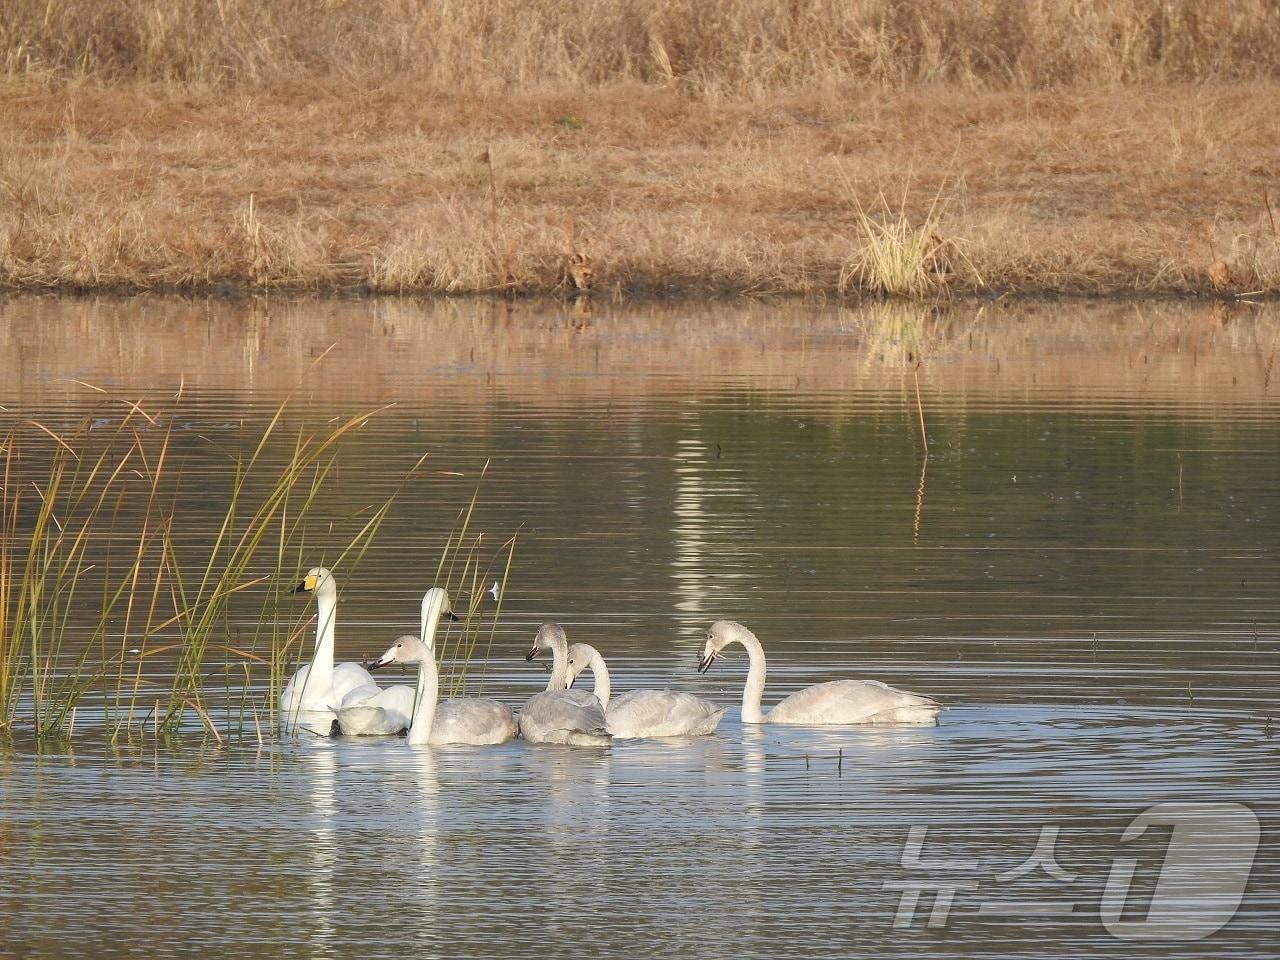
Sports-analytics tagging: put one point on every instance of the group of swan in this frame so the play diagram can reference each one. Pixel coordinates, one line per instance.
(363, 709)
(559, 714)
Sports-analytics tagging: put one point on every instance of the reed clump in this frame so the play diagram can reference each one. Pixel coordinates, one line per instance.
(103, 542)
(899, 257)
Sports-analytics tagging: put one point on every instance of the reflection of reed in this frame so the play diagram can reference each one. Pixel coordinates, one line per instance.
(915, 524)
(924, 456)
(388, 349)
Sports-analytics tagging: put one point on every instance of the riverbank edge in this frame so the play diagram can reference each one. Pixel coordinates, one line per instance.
(639, 294)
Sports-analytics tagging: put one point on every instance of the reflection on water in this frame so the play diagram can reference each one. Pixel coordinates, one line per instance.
(1088, 580)
(730, 842)
(318, 841)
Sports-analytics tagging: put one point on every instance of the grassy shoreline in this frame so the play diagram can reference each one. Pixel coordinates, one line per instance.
(1157, 189)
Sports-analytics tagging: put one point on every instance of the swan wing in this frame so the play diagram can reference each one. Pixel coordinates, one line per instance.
(301, 696)
(854, 701)
(662, 713)
(348, 678)
(291, 698)
(564, 716)
(474, 721)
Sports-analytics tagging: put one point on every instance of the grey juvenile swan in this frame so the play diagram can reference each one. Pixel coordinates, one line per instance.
(558, 715)
(644, 713)
(474, 721)
(837, 701)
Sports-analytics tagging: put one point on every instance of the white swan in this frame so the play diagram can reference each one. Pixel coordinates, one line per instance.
(474, 721)
(837, 701)
(643, 713)
(389, 711)
(558, 715)
(319, 685)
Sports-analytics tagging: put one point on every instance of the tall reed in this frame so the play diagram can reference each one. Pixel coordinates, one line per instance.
(102, 508)
(464, 569)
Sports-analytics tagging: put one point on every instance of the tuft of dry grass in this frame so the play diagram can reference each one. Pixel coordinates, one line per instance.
(898, 257)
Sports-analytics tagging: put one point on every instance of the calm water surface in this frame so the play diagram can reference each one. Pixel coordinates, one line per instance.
(1084, 568)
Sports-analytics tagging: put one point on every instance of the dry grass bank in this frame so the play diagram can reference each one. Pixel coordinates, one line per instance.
(765, 146)
(1123, 190)
(718, 47)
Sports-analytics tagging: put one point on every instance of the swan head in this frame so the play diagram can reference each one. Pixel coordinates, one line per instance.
(318, 581)
(407, 650)
(550, 635)
(579, 660)
(720, 635)
(435, 601)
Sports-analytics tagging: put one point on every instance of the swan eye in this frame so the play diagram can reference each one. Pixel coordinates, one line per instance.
(399, 645)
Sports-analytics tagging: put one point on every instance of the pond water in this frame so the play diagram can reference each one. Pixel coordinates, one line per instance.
(1083, 568)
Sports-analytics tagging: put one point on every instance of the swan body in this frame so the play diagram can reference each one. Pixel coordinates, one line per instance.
(388, 713)
(470, 721)
(557, 715)
(644, 714)
(473, 721)
(834, 702)
(319, 685)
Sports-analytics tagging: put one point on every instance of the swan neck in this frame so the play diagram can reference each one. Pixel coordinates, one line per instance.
(424, 701)
(321, 676)
(559, 664)
(602, 686)
(753, 692)
(431, 613)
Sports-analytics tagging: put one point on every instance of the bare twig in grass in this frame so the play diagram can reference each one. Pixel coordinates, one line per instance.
(500, 247)
(579, 269)
(924, 436)
(258, 256)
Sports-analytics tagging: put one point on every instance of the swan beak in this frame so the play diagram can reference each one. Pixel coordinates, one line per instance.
(306, 586)
(381, 662)
(569, 685)
(532, 653)
(452, 616)
(704, 664)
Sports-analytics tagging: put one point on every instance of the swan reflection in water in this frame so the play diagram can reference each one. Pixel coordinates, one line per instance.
(320, 837)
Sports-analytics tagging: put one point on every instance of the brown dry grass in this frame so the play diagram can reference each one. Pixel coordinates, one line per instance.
(672, 147)
(721, 47)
